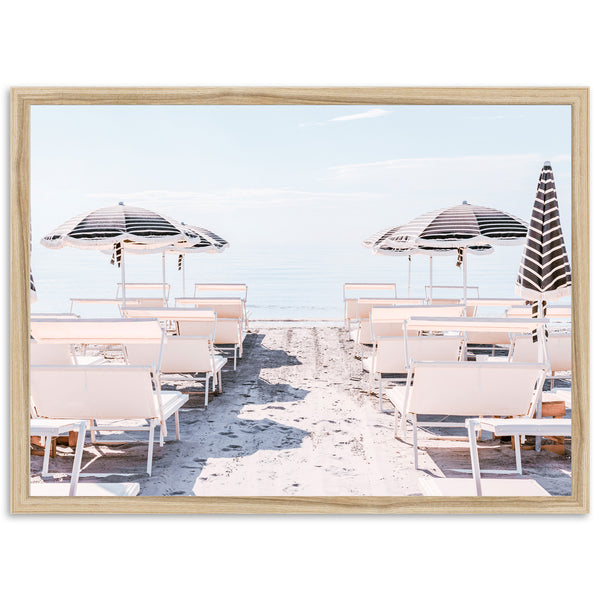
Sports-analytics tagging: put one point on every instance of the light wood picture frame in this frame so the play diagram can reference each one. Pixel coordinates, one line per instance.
(22, 99)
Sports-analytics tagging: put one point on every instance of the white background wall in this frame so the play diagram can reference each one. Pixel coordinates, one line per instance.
(298, 43)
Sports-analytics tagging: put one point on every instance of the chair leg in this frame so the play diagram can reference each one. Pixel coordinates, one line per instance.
(415, 444)
(150, 447)
(474, 455)
(77, 460)
(220, 375)
(206, 380)
(234, 359)
(47, 446)
(177, 425)
(517, 439)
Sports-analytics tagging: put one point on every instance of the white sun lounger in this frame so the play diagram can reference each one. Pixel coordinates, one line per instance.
(181, 354)
(85, 489)
(389, 320)
(515, 428)
(462, 486)
(229, 331)
(559, 352)
(392, 355)
(204, 319)
(352, 291)
(553, 312)
(466, 389)
(240, 290)
(49, 428)
(115, 393)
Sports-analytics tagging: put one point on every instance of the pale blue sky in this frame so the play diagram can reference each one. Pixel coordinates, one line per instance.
(269, 177)
(297, 170)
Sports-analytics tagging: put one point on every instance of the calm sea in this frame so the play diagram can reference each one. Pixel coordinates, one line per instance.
(287, 282)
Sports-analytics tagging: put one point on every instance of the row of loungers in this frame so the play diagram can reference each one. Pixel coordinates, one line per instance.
(424, 346)
(156, 347)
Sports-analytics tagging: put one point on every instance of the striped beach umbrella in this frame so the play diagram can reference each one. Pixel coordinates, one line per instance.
(545, 272)
(465, 228)
(32, 290)
(377, 244)
(208, 242)
(121, 228)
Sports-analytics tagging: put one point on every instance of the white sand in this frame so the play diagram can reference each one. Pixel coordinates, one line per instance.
(296, 419)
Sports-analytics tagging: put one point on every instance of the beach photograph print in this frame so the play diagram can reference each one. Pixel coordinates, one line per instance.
(300, 300)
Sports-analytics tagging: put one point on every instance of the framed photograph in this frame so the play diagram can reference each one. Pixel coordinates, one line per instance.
(300, 300)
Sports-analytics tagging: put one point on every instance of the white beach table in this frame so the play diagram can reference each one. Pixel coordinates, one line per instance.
(52, 428)
(511, 427)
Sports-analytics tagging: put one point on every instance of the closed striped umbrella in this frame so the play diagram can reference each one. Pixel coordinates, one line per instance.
(545, 272)
(123, 228)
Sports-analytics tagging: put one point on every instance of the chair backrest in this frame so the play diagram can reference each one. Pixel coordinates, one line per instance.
(558, 312)
(151, 287)
(364, 306)
(69, 315)
(180, 354)
(391, 354)
(558, 345)
(50, 354)
(475, 389)
(93, 392)
(225, 308)
(470, 308)
(241, 289)
(459, 289)
(95, 331)
(190, 321)
(386, 288)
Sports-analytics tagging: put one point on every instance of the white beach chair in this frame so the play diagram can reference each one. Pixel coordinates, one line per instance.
(114, 393)
(392, 355)
(558, 345)
(205, 320)
(466, 389)
(352, 291)
(239, 290)
(49, 428)
(181, 354)
(388, 320)
(229, 331)
(85, 489)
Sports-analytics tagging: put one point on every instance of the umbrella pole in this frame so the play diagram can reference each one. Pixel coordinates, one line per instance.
(164, 281)
(123, 274)
(183, 273)
(409, 265)
(431, 277)
(464, 266)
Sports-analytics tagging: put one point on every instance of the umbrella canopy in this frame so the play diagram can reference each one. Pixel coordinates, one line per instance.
(465, 228)
(120, 228)
(465, 225)
(544, 273)
(130, 226)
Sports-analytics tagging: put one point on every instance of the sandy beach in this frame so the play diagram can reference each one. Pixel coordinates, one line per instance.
(295, 418)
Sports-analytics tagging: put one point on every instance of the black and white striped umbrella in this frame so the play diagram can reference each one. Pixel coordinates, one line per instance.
(458, 227)
(123, 228)
(32, 290)
(377, 244)
(130, 226)
(465, 228)
(544, 273)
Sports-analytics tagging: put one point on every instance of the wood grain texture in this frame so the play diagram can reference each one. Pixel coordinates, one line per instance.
(21, 101)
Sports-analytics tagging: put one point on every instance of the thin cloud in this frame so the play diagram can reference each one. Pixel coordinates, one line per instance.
(369, 114)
